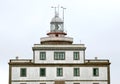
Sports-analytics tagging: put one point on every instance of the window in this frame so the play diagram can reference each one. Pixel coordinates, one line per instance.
(76, 55)
(59, 72)
(42, 56)
(59, 55)
(76, 72)
(23, 72)
(42, 72)
(95, 72)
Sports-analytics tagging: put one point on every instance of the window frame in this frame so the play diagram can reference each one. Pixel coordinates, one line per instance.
(42, 56)
(59, 72)
(23, 73)
(95, 71)
(76, 71)
(42, 74)
(76, 55)
(59, 55)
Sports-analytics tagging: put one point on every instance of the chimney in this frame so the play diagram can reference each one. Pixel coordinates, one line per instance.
(17, 57)
(96, 58)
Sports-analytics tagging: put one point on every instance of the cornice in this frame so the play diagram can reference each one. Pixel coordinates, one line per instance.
(58, 48)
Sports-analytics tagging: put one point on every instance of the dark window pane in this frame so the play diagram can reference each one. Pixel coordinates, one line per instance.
(42, 56)
(76, 55)
(95, 72)
(23, 72)
(59, 72)
(42, 72)
(59, 55)
(76, 72)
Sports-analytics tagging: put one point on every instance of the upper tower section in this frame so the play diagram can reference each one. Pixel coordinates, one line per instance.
(56, 35)
(57, 24)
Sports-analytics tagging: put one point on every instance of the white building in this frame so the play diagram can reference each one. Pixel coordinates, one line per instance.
(57, 61)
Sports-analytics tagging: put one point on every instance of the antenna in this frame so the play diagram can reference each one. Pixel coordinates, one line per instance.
(63, 11)
(58, 10)
(55, 9)
(63, 14)
(80, 41)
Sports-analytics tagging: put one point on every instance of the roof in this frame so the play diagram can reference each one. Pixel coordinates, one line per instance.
(56, 19)
(29, 62)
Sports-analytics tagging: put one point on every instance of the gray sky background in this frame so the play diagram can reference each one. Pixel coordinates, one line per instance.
(95, 22)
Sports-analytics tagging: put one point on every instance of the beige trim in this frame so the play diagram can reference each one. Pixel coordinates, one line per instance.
(10, 74)
(33, 56)
(59, 64)
(56, 42)
(59, 48)
(108, 74)
(55, 80)
(84, 55)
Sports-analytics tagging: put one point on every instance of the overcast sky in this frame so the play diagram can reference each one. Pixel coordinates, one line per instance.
(96, 23)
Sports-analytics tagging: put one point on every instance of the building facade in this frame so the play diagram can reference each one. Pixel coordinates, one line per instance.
(56, 60)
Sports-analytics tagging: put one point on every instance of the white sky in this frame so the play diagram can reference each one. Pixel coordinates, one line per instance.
(95, 22)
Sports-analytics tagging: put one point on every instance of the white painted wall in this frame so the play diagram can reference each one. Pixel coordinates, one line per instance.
(65, 82)
(33, 73)
(50, 57)
(86, 73)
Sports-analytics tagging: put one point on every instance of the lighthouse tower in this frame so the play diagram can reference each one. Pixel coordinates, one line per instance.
(57, 33)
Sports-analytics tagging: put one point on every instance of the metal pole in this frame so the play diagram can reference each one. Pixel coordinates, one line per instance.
(55, 9)
(63, 15)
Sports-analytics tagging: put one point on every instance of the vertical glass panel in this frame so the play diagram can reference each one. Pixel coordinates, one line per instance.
(95, 72)
(76, 72)
(23, 72)
(42, 55)
(76, 56)
(59, 72)
(59, 55)
(42, 72)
